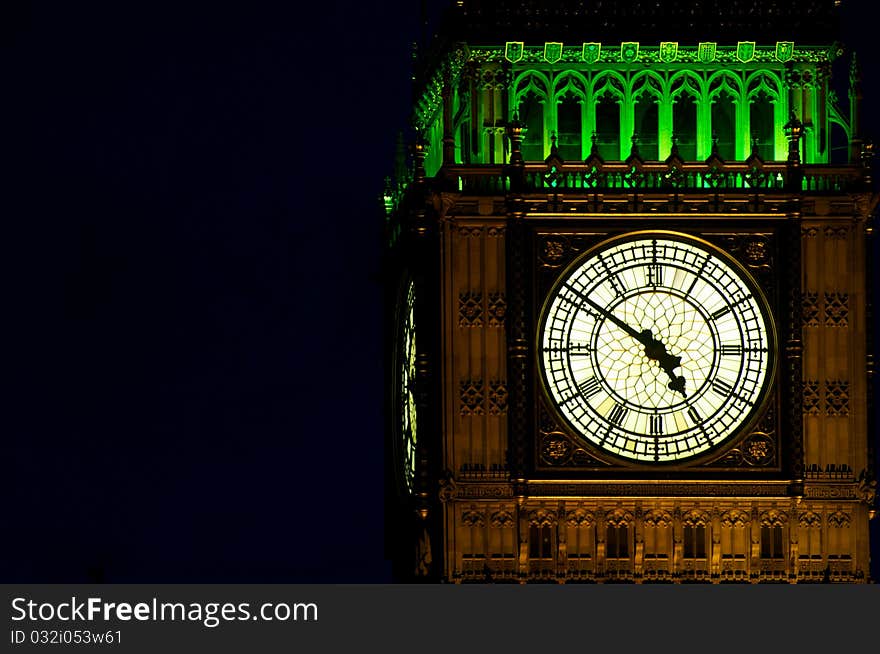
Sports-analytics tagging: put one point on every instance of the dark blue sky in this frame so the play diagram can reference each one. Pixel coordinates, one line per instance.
(191, 266)
(192, 284)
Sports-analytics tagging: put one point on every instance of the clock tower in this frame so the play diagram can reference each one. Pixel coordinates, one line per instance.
(629, 300)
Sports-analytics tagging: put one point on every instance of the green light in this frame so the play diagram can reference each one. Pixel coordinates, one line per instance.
(552, 52)
(706, 51)
(668, 51)
(784, 50)
(513, 51)
(591, 52)
(629, 51)
(745, 51)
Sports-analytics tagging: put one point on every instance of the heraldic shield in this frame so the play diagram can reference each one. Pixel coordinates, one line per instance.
(591, 52)
(668, 51)
(629, 51)
(745, 51)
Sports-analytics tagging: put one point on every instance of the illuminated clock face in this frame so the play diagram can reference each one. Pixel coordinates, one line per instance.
(405, 391)
(656, 347)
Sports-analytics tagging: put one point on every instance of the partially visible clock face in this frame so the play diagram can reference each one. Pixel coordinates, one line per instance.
(656, 347)
(405, 391)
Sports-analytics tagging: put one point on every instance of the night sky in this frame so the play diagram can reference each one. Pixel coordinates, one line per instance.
(191, 263)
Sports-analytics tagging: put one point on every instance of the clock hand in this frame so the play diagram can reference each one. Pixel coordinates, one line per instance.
(654, 349)
(639, 336)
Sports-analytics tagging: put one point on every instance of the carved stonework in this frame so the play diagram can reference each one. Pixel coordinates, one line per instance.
(810, 309)
(448, 488)
(810, 519)
(580, 518)
(773, 518)
(471, 393)
(618, 518)
(470, 232)
(867, 488)
(758, 449)
(556, 250)
(495, 232)
(553, 251)
(735, 518)
(497, 398)
(657, 518)
(809, 232)
(837, 398)
(653, 489)
(695, 519)
(756, 253)
(502, 519)
(836, 309)
(470, 309)
(556, 449)
(839, 519)
(542, 518)
(473, 518)
(836, 232)
(811, 398)
(496, 309)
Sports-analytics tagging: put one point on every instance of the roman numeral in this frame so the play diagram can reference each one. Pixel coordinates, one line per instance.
(731, 350)
(728, 307)
(698, 276)
(589, 387)
(655, 274)
(618, 413)
(720, 312)
(694, 416)
(722, 387)
(655, 425)
(574, 350)
(618, 288)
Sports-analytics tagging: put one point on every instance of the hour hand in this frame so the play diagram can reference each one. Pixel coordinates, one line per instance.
(656, 350)
(669, 363)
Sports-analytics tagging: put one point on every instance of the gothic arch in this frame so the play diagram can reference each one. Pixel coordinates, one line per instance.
(657, 518)
(724, 80)
(685, 81)
(773, 518)
(618, 518)
(580, 518)
(608, 81)
(570, 82)
(735, 518)
(531, 80)
(646, 81)
(695, 518)
(763, 80)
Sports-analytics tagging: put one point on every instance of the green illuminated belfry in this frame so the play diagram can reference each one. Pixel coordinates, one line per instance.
(730, 94)
(629, 298)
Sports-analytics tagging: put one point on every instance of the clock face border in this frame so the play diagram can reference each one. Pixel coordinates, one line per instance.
(766, 406)
(404, 405)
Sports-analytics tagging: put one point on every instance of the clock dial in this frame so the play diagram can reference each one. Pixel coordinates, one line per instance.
(656, 347)
(405, 391)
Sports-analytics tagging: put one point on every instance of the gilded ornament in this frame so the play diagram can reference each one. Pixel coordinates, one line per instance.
(470, 309)
(555, 448)
(553, 250)
(837, 398)
(471, 394)
(756, 252)
(502, 520)
(497, 309)
(497, 398)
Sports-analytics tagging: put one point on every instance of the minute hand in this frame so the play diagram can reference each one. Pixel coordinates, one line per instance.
(654, 349)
